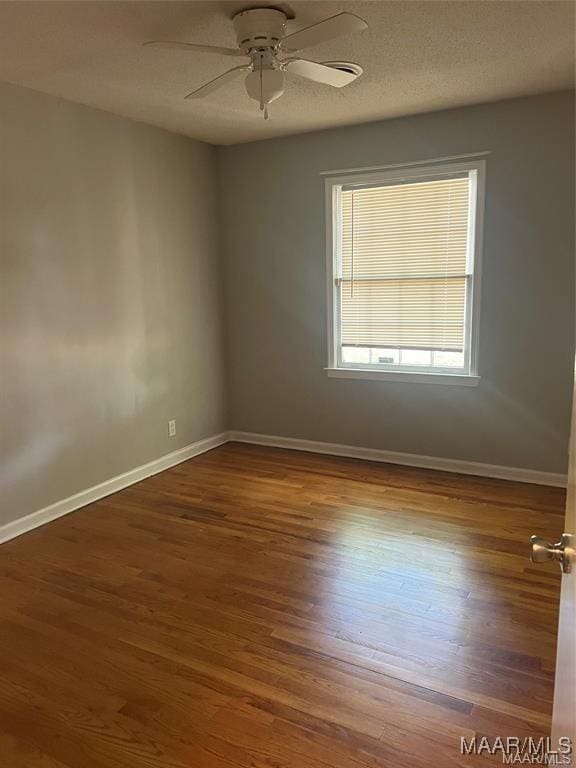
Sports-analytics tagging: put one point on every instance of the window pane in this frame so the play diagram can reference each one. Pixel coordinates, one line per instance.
(425, 313)
(449, 359)
(416, 357)
(404, 268)
(386, 356)
(415, 229)
(356, 355)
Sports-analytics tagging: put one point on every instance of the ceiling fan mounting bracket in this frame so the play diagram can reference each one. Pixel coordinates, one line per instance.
(259, 28)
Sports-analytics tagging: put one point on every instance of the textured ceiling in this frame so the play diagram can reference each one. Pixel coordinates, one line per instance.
(417, 57)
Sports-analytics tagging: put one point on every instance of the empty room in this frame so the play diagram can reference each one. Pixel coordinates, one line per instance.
(286, 378)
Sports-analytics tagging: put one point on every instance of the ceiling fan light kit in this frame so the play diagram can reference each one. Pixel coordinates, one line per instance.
(261, 36)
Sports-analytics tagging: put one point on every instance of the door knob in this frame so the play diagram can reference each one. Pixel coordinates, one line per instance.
(562, 552)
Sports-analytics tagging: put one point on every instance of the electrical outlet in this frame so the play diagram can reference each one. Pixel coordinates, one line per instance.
(172, 428)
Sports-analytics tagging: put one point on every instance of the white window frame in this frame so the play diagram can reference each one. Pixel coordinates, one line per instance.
(469, 375)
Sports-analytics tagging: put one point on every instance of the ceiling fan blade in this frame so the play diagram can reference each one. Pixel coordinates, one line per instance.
(335, 26)
(320, 73)
(218, 82)
(174, 45)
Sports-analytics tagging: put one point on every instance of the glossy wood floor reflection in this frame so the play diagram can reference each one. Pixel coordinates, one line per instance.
(261, 608)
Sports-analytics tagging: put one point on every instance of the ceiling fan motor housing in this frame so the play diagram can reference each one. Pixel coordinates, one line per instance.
(259, 28)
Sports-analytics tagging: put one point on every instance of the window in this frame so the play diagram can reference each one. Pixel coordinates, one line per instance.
(403, 270)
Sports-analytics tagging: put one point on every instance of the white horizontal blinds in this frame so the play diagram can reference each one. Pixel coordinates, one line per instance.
(404, 264)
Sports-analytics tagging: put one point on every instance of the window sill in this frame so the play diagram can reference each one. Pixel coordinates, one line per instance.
(405, 377)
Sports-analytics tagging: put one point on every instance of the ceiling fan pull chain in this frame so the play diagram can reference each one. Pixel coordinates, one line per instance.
(261, 86)
(266, 112)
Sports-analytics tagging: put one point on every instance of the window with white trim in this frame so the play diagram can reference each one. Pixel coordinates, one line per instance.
(403, 271)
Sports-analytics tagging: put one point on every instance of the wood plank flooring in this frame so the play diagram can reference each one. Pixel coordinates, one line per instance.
(262, 608)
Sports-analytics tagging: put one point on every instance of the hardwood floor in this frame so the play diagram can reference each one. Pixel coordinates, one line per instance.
(262, 608)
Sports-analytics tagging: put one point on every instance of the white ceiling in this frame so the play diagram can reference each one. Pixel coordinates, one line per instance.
(417, 55)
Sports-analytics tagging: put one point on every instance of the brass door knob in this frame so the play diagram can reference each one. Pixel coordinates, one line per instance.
(543, 551)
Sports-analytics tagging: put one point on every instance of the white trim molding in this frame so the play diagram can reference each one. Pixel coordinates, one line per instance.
(465, 380)
(517, 474)
(410, 164)
(474, 170)
(88, 496)
(63, 507)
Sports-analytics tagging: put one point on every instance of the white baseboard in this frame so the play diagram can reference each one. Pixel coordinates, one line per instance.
(60, 508)
(517, 474)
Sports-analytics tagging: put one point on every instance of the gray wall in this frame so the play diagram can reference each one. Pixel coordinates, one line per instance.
(110, 309)
(272, 214)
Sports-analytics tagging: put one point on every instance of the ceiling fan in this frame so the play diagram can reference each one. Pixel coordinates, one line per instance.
(261, 37)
